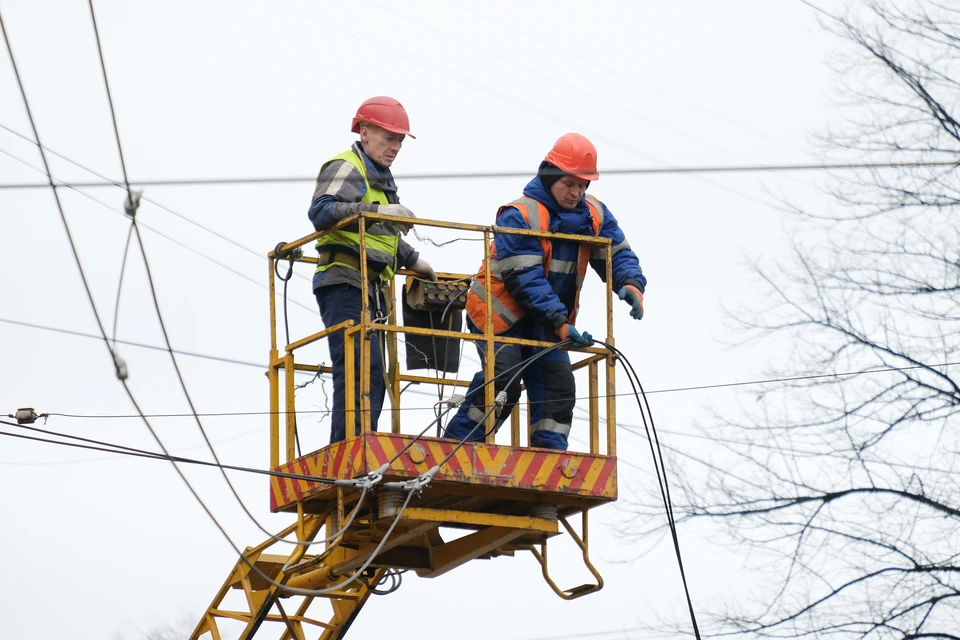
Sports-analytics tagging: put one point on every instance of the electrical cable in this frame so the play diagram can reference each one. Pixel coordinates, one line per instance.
(74, 188)
(659, 468)
(286, 323)
(431, 408)
(123, 267)
(108, 182)
(121, 374)
(132, 203)
(499, 402)
(480, 175)
(110, 447)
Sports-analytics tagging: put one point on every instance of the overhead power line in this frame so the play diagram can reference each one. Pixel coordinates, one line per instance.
(110, 447)
(479, 175)
(702, 387)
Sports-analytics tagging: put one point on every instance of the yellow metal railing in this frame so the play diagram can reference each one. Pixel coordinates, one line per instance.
(353, 331)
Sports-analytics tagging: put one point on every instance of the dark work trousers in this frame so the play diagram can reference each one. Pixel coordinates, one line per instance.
(337, 303)
(551, 389)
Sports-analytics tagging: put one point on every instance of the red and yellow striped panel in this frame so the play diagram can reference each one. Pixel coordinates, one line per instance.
(568, 473)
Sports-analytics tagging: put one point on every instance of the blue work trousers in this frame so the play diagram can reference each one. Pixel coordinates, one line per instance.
(551, 389)
(337, 303)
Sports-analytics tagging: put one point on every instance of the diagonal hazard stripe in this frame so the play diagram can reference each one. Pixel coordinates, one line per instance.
(549, 463)
(534, 460)
(606, 484)
(555, 477)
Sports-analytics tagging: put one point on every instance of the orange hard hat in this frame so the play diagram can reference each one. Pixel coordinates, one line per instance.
(384, 112)
(572, 153)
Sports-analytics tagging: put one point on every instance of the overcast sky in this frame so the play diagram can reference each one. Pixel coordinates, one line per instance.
(95, 546)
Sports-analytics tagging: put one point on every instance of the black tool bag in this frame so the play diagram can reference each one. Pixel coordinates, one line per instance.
(434, 305)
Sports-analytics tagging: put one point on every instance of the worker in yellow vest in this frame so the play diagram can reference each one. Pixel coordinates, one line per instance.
(535, 291)
(356, 180)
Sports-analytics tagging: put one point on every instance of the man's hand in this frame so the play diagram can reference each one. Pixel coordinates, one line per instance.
(423, 267)
(634, 298)
(398, 210)
(579, 339)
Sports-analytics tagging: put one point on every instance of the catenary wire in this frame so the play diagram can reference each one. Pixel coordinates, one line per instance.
(120, 450)
(163, 235)
(122, 376)
(117, 365)
(480, 175)
(123, 268)
(156, 300)
(720, 385)
(108, 182)
(113, 112)
(83, 278)
(111, 447)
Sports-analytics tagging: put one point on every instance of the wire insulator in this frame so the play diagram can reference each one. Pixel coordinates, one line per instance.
(545, 511)
(390, 501)
(25, 416)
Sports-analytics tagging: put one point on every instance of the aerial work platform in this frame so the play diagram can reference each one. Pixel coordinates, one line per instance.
(393, 501)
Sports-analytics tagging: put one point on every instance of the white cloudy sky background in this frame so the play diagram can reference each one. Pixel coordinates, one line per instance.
(96, 546)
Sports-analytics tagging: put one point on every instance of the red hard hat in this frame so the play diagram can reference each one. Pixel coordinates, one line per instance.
(384, 112)
(574, 154)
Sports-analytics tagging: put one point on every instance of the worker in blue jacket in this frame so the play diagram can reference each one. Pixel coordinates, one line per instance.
(535, 289)
(354, 181)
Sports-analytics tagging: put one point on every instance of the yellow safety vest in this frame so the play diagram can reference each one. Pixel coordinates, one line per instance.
(382, 240)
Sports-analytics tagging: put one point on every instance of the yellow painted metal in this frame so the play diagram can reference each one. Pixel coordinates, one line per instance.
(416, 543)
(290, 408)
(260, 597)
(611, 364)
(462, 550)
(440, 333)
(442, 224)
(451, 516)
(349, 375)
(488, 335)
(313, 368)
(584, 544)
(593, 374)
(272, 372)
(392, 365)
(293, 346)
(365, 335)
(406, 377)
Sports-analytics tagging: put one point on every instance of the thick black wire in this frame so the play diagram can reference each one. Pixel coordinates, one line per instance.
(286, 326)
(659, 468)
(521, 367)
(111, 447)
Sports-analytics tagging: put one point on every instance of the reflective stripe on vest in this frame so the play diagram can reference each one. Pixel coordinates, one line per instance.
(382, 241)
(506, 311)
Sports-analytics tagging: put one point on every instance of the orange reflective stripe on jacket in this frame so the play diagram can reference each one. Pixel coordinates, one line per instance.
(506, 311)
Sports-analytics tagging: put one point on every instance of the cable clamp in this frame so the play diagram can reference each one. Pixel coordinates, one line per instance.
(454, 401)
(132, 203)
(365, 482)
(415, 485)
(499, 401)
(121, 365)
